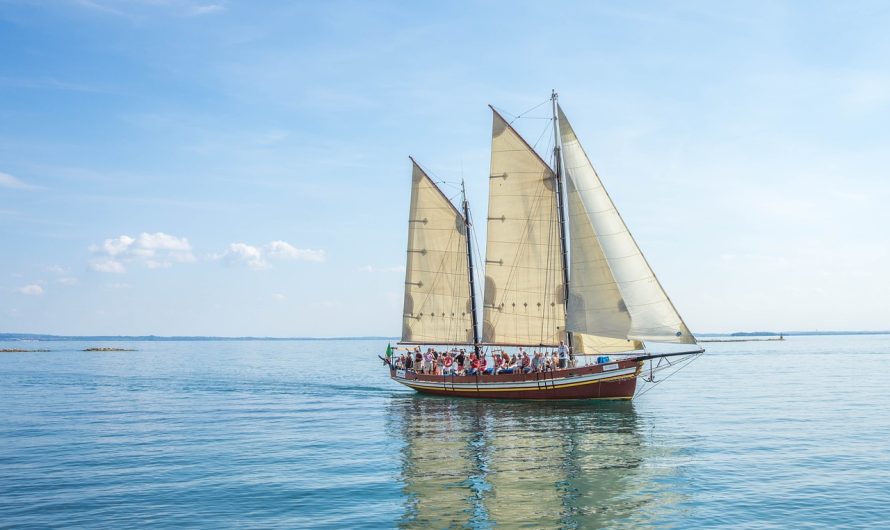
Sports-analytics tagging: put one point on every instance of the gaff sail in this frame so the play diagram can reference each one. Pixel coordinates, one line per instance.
(437, 308)
(523, 296)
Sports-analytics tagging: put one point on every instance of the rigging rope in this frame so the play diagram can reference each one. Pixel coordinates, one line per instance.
(682, 363)
(521, 114)
(545, 131)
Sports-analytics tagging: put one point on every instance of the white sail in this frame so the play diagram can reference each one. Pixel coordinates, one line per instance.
(437, 306)
(523, 301)
(594, 307)
(584, 344)
(595, 304)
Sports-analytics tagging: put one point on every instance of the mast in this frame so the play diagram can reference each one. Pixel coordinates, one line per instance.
(470, 268)
(560, 204)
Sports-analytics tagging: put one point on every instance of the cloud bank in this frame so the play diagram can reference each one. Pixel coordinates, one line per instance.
(31, 290)
(8, 181)
(157, 250)
(260, 257)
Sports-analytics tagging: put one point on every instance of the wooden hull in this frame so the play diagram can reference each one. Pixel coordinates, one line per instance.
(616, 380)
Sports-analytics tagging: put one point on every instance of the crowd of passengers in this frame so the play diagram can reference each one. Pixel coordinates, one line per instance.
(459, 362)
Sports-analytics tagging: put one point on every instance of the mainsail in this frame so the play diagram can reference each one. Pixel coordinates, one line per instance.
(614, 292)
(523, 298)
(437, 306)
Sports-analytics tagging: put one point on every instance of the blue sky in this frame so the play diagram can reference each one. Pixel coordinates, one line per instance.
(240, 168)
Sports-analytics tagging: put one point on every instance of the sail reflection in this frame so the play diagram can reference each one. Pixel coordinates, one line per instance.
(470, 463)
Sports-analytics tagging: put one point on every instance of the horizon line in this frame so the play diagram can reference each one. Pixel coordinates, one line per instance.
(50, 336)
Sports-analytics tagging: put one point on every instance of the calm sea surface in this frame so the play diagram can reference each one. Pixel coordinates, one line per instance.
(314, 434)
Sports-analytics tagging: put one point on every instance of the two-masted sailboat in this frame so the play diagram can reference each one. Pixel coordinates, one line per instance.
(560, 266)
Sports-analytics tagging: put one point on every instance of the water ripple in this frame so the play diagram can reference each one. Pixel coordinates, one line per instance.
(263, 434)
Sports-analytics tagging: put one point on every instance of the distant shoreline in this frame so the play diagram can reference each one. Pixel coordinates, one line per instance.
(789, 333)
(149, 338)
(158, 338)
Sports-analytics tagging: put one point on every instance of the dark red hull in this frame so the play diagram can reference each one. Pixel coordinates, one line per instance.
(617, 380)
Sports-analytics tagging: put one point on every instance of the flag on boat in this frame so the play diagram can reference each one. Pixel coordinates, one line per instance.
(389, 351)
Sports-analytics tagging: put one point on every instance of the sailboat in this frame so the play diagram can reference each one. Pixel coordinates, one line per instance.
(561, 270)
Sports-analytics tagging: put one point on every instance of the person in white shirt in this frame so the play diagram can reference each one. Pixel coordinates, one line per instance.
(563, 355)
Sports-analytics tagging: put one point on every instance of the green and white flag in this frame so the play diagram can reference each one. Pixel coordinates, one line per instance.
(388, 351)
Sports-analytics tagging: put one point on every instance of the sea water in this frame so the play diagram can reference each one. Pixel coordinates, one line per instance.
(294, 434)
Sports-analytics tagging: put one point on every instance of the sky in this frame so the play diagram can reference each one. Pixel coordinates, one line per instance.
(185, 167)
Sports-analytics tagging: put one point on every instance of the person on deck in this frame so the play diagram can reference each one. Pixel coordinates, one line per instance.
(509, 366)
(498, 363)
(460, 361)
(474, 364)
(418, 360)
(448, 364)
(526, 363)
(483, 365)
(563, 351)
(427, 361)
(537, 362)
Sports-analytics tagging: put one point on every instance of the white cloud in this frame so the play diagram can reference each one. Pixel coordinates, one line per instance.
(8, 181)
(107, 265)
(162, 241)
(248, 254)
(116, 246)
(258, 257)
(142, 8)
(284, 250)
(50, 83)
(31, 290)
(56, 269)
(155, 251)
(68, 280)
(89, 4)
(206, 9)
(279, 296)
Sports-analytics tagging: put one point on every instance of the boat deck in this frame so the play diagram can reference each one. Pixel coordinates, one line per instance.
(613, 380)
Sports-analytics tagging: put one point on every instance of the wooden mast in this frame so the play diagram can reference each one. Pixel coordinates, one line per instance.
(557, 166)
(470, 267)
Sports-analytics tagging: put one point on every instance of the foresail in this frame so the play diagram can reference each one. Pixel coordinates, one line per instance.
(652, 315)
(595, 303)
(583, 343)
(437, 293)
(523, 300)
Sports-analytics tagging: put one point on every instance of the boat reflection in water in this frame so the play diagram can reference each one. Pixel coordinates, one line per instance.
(477, 463)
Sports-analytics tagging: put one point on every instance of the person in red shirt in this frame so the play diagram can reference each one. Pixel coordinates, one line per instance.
(474, 364)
